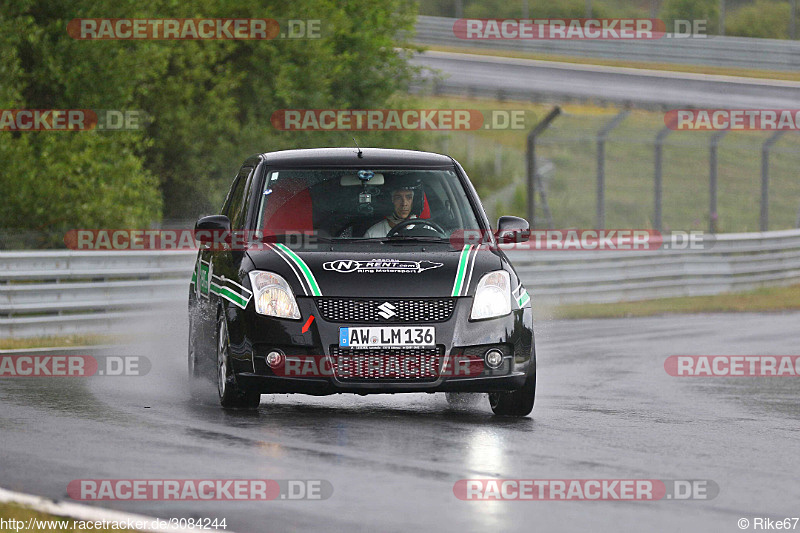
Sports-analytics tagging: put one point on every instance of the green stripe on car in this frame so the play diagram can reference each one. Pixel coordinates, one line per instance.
(230, 295)
(462, 267)
(307, 274)
(523, 298)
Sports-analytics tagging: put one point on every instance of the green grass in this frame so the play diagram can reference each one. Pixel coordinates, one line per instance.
(19, 512)
(50, 342)
(570, 143)
(770, 299)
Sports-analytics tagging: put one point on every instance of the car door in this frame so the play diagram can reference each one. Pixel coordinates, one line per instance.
(214, 262)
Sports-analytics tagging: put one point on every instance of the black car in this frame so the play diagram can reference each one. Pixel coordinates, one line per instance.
(360, 271)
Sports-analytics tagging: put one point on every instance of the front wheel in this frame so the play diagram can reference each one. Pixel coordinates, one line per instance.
(515, 403)
(230, 395)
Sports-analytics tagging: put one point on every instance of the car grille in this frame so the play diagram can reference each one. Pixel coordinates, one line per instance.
(408, 311)
(380, 364)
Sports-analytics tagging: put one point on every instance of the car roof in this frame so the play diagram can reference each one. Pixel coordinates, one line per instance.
(348, 157)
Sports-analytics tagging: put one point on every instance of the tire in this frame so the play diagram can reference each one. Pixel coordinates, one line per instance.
(515, 403)
(230, 395)
(463, 400)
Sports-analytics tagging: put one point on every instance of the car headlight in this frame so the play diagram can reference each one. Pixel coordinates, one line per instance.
(272, 295)
(492, 297)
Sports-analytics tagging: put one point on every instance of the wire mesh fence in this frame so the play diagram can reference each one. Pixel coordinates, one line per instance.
(708, 180)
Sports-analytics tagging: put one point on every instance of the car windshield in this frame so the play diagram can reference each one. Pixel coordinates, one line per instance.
(369, 203)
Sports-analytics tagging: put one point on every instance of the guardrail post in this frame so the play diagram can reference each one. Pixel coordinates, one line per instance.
(657, 188)
(797, 222)
(764, 218)
(602, 135)
(712, 180)
(531, 161)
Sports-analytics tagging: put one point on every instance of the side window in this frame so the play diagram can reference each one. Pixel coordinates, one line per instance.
(226, 206)
(237, 208)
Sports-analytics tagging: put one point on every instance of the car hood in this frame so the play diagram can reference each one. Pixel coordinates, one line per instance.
(394, 273)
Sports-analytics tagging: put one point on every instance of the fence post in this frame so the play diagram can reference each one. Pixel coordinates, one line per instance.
(764, 218)
(797, 221)
(602, 135)
(657, 188)
(712, 180)
(531, 161)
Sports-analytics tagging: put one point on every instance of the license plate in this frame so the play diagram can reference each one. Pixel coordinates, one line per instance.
(387, 337)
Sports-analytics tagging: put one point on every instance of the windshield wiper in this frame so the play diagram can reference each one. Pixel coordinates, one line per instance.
(410, 238)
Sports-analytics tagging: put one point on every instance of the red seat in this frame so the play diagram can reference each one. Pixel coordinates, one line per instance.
(289, 207)
(426, 209)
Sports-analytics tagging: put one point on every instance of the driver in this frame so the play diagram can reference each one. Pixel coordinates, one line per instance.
(402, 200)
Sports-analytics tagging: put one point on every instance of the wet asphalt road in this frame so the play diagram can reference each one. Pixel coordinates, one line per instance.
(605, 409)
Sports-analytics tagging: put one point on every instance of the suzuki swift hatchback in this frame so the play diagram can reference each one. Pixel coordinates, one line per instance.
(359, 271)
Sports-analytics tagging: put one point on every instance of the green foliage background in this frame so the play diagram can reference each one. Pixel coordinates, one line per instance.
(209, 103)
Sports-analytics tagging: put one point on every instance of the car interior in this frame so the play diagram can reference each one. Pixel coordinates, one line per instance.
(334, 205)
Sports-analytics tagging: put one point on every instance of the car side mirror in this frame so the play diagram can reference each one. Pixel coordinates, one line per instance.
(512, 229)
(206, 227)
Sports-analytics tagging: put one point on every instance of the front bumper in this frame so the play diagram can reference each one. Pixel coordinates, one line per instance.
(253, 336)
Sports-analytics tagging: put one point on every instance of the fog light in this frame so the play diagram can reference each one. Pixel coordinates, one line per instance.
(493, 358)
(274, 359)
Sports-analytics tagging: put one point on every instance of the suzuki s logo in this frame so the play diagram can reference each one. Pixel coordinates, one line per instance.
(386, 310)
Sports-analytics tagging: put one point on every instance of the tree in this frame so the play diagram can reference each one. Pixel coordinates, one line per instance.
(762, 19)
(672, 10)
(209, 103)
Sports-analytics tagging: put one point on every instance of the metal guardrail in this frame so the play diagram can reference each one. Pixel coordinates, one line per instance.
(732, 52)
(735, 262)
(66, 292)
(45, 293)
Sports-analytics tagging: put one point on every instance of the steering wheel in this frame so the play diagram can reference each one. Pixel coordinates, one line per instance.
(436, 227)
